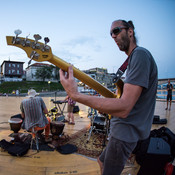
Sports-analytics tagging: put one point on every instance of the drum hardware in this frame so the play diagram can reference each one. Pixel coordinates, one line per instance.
(99, 123)
(91, 112)
(53, 113)
(57, 113)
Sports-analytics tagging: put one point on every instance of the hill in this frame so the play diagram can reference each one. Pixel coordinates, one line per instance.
(23, 86)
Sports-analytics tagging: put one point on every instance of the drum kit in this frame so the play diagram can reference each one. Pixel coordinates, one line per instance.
(57, 112)
(100, 123)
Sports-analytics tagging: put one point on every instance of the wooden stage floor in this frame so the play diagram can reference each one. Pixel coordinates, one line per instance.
(52, 162)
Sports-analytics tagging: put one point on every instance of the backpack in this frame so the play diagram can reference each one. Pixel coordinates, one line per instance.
(16, 149)
(161, 142)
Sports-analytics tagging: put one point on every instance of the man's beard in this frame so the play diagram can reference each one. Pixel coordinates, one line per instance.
(124, 44)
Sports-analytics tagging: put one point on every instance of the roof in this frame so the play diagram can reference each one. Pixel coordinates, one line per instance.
(5, 61)
(39, 65)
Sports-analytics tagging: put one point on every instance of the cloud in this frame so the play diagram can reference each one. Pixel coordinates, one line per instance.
(81, 49)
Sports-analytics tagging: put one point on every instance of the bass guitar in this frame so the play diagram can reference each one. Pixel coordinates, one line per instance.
(39, 52)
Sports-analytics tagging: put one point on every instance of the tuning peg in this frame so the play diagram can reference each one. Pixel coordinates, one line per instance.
(29, 62)
(34, 55)
(37, 37)
(36, 45)
(26, 42)
(46, 48)
(46, 39)
(17, 32)
(27, 36)
(16, 40)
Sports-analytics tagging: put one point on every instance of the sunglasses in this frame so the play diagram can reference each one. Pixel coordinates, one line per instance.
(117, 30)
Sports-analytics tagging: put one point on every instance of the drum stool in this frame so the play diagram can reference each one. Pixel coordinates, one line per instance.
(35, 137)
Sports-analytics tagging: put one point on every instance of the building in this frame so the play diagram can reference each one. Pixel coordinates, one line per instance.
(32, 69)
(101, 75)
(11, 71)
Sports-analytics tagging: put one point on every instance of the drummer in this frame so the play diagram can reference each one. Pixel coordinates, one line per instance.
(33, 110)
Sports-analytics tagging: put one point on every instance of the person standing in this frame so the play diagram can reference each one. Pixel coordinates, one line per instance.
(133, 113)
(169, 94)
(70, 108)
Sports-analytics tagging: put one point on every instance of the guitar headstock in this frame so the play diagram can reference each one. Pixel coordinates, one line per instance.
(35, 50)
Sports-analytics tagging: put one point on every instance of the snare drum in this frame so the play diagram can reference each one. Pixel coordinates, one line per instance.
(56, 129)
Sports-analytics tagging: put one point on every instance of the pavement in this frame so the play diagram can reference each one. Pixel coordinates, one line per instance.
(73, 164)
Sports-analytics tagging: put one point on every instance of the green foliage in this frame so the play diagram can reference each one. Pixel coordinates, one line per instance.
(23, 86)
(48, 72)
(44, 72)
(56, 75)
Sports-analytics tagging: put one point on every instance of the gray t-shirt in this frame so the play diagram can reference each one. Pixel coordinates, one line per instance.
(141, 71)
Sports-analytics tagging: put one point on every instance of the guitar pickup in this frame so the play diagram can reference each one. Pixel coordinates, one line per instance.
(34, 55)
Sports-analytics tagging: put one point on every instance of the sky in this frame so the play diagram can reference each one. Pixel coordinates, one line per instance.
(79, 30)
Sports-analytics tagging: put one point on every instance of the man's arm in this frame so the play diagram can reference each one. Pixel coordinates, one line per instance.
(45, 111)
(22, 115)
(116, 107)
(22, 111)
(66, 98)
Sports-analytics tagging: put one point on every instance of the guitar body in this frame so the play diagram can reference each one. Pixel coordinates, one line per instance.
(41, 52)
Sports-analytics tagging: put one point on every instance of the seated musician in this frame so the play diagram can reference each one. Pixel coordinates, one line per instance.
(33, 110)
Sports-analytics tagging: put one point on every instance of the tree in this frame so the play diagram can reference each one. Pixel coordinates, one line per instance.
(44, 72)
(56, 73)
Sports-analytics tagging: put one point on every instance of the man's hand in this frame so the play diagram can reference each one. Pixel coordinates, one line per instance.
(68, 82)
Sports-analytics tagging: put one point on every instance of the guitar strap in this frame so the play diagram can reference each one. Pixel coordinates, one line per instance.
(122, 69)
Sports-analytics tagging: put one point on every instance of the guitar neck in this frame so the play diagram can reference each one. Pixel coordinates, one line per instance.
(42, 52)
(83, 77)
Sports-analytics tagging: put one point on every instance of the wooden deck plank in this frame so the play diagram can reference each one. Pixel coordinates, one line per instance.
(52, 163)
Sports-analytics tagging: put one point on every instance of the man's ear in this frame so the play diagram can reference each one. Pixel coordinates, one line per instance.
(130, 32)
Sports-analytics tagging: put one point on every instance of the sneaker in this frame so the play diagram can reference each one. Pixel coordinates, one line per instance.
(166, 108)
(71, 123)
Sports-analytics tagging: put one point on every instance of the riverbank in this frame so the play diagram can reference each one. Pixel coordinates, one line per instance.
(42, 94)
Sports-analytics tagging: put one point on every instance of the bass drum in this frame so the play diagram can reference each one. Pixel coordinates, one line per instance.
(99, 122)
